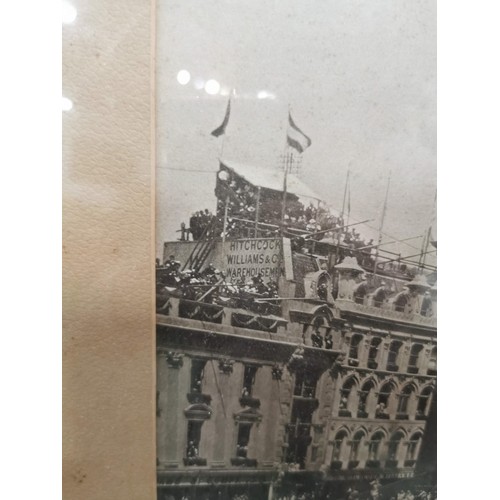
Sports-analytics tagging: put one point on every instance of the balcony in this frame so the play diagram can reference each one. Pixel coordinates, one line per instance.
(372, 364)
(385, 313)
(391, 464)
(250, 402)
(200, 462)
(410, 463)
(420, 416)
(373, 464)
(344, 413)
(353, 362)
(244, 462)
(412, 369)
(200, 311)
(352, 464)
(402, 416)
(199, 398)
(384, 416)
(362, 414)
(307, 404)
(392, 367)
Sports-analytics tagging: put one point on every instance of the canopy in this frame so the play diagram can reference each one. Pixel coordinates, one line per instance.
(270, 179)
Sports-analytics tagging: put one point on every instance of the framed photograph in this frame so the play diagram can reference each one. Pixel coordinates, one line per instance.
(296, 272)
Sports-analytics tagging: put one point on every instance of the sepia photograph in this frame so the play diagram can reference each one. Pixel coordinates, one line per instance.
(296, 250)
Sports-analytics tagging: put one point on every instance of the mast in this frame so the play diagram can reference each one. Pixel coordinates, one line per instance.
(345, 195)
(382, 223)
(427, 237)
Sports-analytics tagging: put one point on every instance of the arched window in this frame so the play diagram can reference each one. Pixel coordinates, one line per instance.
(432, 366)
(347, 396)
(393, 449)
(423, 403)
(373, 352)
(383, 400)
(414, 361)
(413, 449)
(364, 397)
(354, 349)
(338, 446)
(374, 447)
(392, 358)
(355, 448)
(403, 402)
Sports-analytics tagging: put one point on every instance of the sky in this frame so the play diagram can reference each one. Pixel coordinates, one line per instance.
(358, 75)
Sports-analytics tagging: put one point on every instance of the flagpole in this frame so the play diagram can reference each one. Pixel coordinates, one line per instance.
(226, 202)
(381, 224)
(348, 201)
(345, 194)
(288, 160)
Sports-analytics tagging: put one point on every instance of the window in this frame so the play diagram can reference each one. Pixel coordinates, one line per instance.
(363, 398)
(384, 400)
(248, 380)
(413, 448)
(404, 398)
(193, 443)
(374, 446)
(355, 446)
(414, 361)
(392, 358)
(305, 384)
(346, 396)
(354, 348)
(373, 352)
(243, 439)
(299, 435)
(338, 444)
(393, 447)
(423, 402)
(197, 372)
(432, 367)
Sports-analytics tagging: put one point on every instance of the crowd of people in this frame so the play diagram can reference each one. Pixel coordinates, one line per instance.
(352, 493)
(245, 211)
(211, 286)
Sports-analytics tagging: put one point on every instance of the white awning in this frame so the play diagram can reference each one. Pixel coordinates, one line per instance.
(271, 179)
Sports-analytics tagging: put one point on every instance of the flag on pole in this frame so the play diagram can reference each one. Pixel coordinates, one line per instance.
(295, 137)
(220, 130)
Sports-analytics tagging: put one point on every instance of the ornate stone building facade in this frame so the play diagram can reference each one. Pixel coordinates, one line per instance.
(325, 395)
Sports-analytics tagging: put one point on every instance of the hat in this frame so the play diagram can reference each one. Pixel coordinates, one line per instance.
(419, 282)
(349, 264)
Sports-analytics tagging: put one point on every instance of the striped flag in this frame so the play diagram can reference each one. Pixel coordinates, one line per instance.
(295, 137)
(220, 130)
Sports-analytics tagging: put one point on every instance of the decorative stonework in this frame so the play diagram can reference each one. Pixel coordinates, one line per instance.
(336, 368)
(276, 372)
(174, 359)
(226, 366)
(295, 359)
